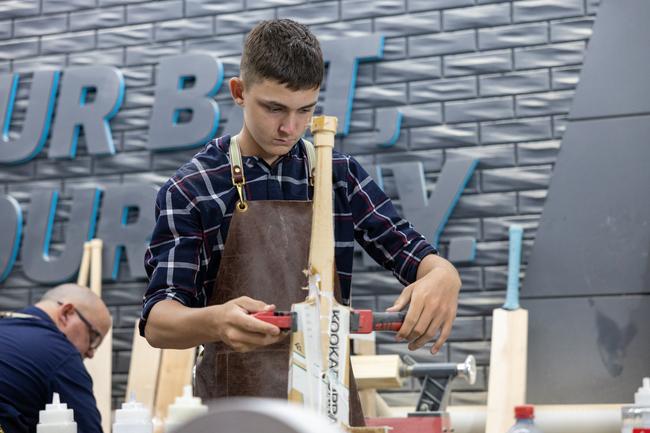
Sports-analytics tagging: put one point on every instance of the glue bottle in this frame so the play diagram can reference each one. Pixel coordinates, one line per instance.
(638, 414)
(184, 409)
(134, 417)
(56, 418)
(524, 420)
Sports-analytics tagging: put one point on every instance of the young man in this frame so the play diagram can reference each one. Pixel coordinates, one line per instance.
(278, 87)
(42, 348)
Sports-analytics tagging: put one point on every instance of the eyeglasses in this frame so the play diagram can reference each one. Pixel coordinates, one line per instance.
(94, 336)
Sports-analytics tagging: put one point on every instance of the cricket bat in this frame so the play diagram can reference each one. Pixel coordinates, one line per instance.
(508, 353)
(320, 348)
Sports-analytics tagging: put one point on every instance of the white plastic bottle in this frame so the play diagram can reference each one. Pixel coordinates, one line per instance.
(56, 418)
(133, 417)
(183, 410)
(638, 414)
(524, 420)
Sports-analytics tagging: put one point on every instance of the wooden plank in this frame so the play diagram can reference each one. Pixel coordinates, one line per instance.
(365, 344)
(100, 367)
(175, 372)
(82, 278)
(377, 371)
(143, 371)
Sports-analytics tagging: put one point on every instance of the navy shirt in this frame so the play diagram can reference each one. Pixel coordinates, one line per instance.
(37, 360)
(194, 209)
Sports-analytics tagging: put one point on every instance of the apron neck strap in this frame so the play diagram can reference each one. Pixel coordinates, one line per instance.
(237, 167)
(311, 160)
(237, 172)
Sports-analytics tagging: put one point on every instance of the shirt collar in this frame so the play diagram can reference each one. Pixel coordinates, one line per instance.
(35, 311)
(223, 144)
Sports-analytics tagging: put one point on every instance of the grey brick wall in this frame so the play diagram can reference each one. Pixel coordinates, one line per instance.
(492, 81)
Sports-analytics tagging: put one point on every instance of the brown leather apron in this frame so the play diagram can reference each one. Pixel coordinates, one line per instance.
(266, 251)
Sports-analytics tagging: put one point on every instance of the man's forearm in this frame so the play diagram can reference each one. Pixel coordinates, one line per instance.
(435, 262)
(171, 325)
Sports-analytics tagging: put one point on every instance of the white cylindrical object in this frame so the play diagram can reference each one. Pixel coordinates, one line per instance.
(637, 415)
(591, 418)
(184, 409)
(56, 418)
(133, 417)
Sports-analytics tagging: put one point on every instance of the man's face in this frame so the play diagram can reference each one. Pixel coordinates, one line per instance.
(274, 115)
(85, 330)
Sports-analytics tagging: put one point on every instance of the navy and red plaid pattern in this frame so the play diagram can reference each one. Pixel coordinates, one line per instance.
(194, 209)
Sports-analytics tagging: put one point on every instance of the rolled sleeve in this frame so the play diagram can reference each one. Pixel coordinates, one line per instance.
(173, 258)
(387, 237)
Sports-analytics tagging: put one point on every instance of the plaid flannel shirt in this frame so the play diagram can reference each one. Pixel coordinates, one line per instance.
(195, 206)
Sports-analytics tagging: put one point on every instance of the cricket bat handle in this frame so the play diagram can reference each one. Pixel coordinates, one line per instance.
(516, 233)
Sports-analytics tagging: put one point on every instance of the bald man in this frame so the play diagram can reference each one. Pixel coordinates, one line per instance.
(42, 348)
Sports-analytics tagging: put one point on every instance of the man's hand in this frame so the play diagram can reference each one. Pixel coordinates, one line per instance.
(242, 332)
(433, 300)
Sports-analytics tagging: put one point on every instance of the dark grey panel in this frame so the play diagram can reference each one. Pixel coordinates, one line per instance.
(534, 10)
(442, 90)
(411, 24)
(122, 36)
(69, 42)
(52, 6)
(114, 57)
(242, 21)
(532, 201)
(516, 130)
(149, 54)
(442, 43)
(516, 82)
(19, 8)
(621, 37)
(541, 104)
(353, 9)
(461, 134)
(186, 28)
(40, 25)
(479, 109)
(217, 46)
(500, 155)
(565, 78)
(19, 48)
(5, 29)
(509, 179)
(571, 30)
(108, 17)
(587, 350)
(321, 12)
(407, 70)
(603, 210)
(513, 36)
(478, 63)
(486, 205)
(568, 53)
(338, 30)
(420, 5)
(155, 11)
(476, 16)
(210, 7)
(541, 152)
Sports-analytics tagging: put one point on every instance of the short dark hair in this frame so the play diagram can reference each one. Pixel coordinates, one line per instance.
(285, 51)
